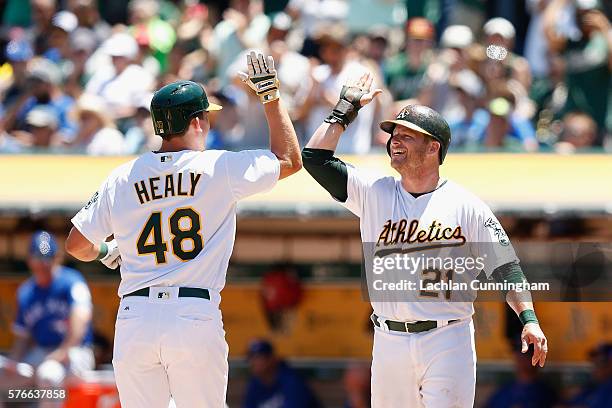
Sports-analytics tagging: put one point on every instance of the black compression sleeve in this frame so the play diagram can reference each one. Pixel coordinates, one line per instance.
(510, 272)
(329, 171)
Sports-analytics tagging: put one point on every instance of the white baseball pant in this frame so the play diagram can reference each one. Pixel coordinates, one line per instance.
(166, 346)
(433, 369)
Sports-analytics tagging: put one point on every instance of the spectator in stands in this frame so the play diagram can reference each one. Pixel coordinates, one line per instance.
(243, 26)
(222, 123)
(281, 293)
(18, 52)
(320, 92)
(53, 323)
(357, 386)
(588, 59)
(526, 390)
(89, 19)
(499, 42)
(470, 126)
(42, 130)
(597, 394)
(39, 33)
(536, 45)
(147, 25)
(121, 84)
(82, 45)
(8, 143)
(452, 58)
(504, 130)
(579, 132)
(549, 94)
(42, 89)
(63, 25)
(97, 133)
(140, 136)
(273, 383)
(378, 44)
(292, 67)
(405, 71)
(313, 14)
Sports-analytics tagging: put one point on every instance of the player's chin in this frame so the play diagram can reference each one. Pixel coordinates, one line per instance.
(398, 160)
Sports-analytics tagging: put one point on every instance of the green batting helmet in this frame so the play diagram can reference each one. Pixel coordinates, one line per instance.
(174, 105)
(422, 119)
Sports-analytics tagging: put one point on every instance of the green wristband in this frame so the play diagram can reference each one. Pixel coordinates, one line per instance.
(528, 316)
(103, 251)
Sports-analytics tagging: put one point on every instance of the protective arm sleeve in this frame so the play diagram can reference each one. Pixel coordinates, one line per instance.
(329, 171)
(510, 272)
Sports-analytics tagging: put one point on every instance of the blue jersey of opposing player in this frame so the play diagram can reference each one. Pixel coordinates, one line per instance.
(43, 312)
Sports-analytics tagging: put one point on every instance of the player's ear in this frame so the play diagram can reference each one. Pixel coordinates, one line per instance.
(433, 147)
(195, 122)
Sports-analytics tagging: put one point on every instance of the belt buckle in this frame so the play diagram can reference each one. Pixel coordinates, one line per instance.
(163, 295)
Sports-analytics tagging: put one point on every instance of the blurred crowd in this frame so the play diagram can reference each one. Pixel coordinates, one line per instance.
(529, 75)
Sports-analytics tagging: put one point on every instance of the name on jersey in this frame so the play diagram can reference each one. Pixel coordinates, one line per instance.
(404, 232)
(170, 185)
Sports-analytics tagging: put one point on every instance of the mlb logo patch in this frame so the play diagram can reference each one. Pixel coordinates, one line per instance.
(166, 158)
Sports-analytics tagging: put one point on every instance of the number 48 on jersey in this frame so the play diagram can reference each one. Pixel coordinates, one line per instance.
(151, 239)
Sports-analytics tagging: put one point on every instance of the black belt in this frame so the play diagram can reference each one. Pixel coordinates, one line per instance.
(416, 327)
(183, 292)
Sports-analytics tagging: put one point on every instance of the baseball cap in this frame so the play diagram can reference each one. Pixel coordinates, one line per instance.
(42, 116)
(45, 71)
(467, 81)
(19, 50)
(501, 26)
(457, 36)
(43, 245)
(281, 21)
(331, 33)
(584, 5)
(83, 39)
(260, 347)
(420, 28)
(121, 45)
(65, 21)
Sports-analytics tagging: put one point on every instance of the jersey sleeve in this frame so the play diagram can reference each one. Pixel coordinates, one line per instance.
(488, 240)
(94, 219)
(78, 293)
(251, 171)
(19, 325)
(357, 186)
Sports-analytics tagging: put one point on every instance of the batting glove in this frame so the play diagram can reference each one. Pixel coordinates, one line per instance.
(112, 259)
(262, 77)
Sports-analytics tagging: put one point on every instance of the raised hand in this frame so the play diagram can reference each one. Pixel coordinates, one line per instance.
(262, 77)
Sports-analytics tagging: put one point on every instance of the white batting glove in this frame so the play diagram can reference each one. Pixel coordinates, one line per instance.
(262, 78)
(113, 258)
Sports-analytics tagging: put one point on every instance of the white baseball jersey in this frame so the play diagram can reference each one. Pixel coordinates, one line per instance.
(448, 223)
(174, 214)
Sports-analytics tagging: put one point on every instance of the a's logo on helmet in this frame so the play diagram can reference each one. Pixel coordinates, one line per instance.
(160, 126)
(403, 113)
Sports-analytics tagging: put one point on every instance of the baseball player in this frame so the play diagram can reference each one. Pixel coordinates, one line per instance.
(52, 328)
(173, 217)
(423, 354)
